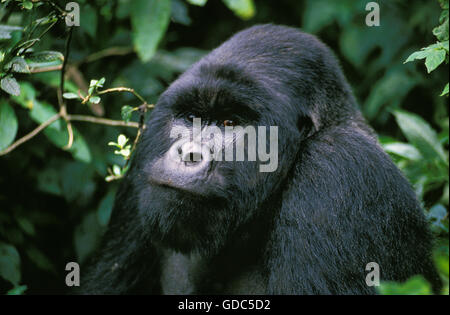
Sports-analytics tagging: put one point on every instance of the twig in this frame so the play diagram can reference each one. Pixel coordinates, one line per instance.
(31, 134)
(61, 102)
(103, 121)
(91, 119)
(123, 89)
(111, 51)
(46, 69)
(57, 7)
(142, 110)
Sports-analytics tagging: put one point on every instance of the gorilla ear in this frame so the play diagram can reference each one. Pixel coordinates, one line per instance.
(306, 126)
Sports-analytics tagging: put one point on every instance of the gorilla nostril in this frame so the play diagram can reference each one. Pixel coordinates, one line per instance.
(192, 158)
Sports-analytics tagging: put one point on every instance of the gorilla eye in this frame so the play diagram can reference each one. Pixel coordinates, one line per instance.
(228, 123)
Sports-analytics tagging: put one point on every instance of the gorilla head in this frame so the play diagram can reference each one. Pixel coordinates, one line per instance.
(306, 214)
(248, 81)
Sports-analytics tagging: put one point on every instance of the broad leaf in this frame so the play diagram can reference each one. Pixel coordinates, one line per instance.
(445, 91)
(416, 285)
(10, 85)
(245, 9)
(434, 59)
(18, 64)
(57, 131)
(45, 59)
(8, 124)
(198, 2)
(126, 113)
(403, 150)
(9, 263)
(421, 135)
(6, 30)
(149, 20)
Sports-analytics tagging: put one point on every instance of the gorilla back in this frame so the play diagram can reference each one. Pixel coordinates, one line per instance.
(334, 203)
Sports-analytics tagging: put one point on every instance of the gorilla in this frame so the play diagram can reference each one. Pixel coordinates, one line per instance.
(183, 223)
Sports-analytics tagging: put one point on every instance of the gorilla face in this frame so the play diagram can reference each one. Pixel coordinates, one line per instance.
(192, 190)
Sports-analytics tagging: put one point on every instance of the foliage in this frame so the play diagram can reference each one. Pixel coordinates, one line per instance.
(54, 200)
(436, 54)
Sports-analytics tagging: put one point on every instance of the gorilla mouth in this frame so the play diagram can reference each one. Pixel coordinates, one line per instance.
(196, 190)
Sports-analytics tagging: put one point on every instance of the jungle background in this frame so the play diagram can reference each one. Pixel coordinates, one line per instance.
(57, 184)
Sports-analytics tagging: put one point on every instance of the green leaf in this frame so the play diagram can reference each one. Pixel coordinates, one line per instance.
(149, 20)
(105, 208)
(70, 96)
(95, 99)
(45, 59)
(76, 181)
(180, 12)
(445, 90)
(421, 135)
(441, 31)
(87, 236)
(101, 82)
(27, 95)
(404, 150)
(198, 2)
(436, 214)
(6, 30)
(26, 225)
(57, 131)
(27, 5)
(116, 170)
(89, 20)
(421, 54)
(8, 124)
(122, 140)
(434, 59)
(10, 85)
(18, 64)
(9, 263)
(388, 92)
(19, 290)
(126, 113)
(318, 14)
(40, 259)
(442, 262)
(245, 9)
(416, 285)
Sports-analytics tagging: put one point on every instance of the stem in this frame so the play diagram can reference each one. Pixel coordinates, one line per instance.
(123, 89)
(31, 134)
(46, 69)
(102, 121)
(61, 102)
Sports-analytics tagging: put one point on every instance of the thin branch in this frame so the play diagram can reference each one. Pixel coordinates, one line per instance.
(108, 52)
(46, 69)
(70, 132)
(102, 121)
(57, 7)
(30, 135)
(123, 89)
(61, 102)
(142, 110)
(90, 119)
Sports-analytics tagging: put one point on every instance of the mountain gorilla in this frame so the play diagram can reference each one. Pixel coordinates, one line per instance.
(334, 203)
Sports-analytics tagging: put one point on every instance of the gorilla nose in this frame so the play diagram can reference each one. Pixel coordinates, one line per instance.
(191, 153)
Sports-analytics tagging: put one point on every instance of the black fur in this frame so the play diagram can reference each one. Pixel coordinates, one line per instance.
(335, 203)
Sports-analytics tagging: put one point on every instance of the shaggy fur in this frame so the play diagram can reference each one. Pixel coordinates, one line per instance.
(335, 203)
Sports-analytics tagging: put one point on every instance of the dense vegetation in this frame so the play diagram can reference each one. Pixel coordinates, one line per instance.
(65, 139)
